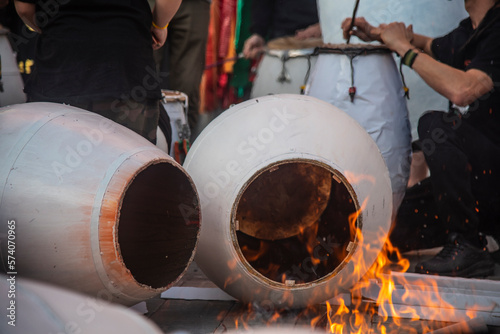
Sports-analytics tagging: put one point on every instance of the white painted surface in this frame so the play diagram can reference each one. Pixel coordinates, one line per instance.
(287, 127)
(379, 106)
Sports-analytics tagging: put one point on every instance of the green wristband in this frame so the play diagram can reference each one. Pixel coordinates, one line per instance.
(409, 57)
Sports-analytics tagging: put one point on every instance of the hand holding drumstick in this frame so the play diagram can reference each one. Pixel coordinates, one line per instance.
(389, 34)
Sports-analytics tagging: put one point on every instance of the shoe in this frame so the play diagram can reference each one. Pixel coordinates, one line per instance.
(493, 247)
(459, 257)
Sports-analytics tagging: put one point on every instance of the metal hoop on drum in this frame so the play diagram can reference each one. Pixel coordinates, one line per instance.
(285, 67)
(285, 55)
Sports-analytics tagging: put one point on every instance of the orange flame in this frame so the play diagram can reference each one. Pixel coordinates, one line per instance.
(252, 255)
(392, 291)
(424, 291)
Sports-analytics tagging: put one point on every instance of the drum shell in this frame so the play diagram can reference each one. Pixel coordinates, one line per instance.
(379, 106)
(428, 17)
(270, 70)
(49, 309)
(288, 128)
(64, 178)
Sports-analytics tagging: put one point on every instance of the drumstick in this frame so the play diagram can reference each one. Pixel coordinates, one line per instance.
(352, 21)
(222, 62)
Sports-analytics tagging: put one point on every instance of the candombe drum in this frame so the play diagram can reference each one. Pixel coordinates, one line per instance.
(363, 81)
(44, 308)
(295, 198)
(428, 17)
(285, 66)
(174, 114)
(89, 205)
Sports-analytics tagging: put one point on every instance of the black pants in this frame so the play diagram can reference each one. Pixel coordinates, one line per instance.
(465, 174)
(183, 56)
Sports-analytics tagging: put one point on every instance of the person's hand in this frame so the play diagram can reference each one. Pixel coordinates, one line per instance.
(361, 29)
(313, 31)
(159, 37)
(397, 37)
(253, 46)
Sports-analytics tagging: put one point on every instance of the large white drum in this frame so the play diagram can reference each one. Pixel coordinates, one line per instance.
(378, 104)
(90, 205)
(432, 18)
(295, 198)
(285, 67)
(49, 309)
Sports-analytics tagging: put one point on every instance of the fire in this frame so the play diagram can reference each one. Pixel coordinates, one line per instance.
(394, 289)
(252, 255)
(308, 237)
(386, 299)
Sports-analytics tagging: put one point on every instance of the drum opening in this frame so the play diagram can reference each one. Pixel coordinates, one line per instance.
(158, 225)
(292, 222)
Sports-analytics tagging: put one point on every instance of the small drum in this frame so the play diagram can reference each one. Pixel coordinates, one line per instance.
(173, 123)
(285, 66)
(363, 81)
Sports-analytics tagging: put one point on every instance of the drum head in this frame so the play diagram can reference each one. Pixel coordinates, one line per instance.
(270, 204)
(292, 43)
(173, 96)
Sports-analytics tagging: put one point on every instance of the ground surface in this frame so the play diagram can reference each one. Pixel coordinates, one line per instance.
(218, 316)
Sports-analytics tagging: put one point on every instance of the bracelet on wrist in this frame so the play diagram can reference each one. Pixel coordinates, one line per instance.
(158, 27)
(409, 57)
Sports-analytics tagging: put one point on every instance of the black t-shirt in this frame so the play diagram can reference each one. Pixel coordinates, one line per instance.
(93, 49)
(483, 53)
(277, 18)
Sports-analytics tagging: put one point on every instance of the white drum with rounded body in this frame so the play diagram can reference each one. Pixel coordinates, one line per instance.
(295, 198)
(428, 17)
(285, 67)
(379, 104)
(90, 205)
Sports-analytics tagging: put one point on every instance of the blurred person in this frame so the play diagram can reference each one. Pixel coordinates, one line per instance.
(21, 38)
(278, 18)
(183, 55)
(462, 145)
(98, 55)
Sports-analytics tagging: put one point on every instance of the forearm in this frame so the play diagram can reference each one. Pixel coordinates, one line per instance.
(423, 43)
(461, 88)
(27, 12)
(164, 10)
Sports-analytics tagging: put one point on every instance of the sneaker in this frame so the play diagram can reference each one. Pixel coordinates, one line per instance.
(493, 247)
(459, 257)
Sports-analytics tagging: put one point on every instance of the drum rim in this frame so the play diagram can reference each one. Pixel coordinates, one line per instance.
(352, 49)
(292, 53)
